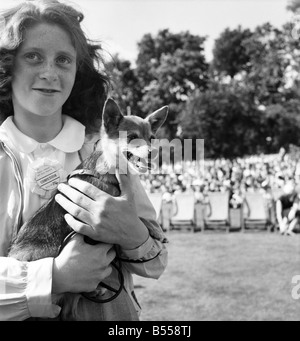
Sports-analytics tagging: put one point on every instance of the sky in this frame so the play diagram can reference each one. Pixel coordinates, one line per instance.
(120, 24)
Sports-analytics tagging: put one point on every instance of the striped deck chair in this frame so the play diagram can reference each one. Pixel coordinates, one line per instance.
(217, 211)
(185, 211)
(255, 211)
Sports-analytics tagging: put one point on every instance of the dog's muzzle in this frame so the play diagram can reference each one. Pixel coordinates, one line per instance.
(142, 164)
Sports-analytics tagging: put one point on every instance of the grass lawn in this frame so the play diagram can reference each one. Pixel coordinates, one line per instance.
(224, 276)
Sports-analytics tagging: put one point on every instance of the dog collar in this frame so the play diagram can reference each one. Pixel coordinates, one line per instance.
(83, 172)
(111, 187)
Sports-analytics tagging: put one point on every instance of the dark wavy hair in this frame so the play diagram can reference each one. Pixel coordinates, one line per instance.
(91, 85)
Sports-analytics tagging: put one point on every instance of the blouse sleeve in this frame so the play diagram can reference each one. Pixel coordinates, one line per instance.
(149, 259)
(25, 289)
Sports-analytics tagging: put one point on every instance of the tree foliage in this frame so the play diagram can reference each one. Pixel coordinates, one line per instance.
(229, 54)
(126, 87)
(226, 118)
(269, 62)
(293, 5)
(282, 125)
(170, 67)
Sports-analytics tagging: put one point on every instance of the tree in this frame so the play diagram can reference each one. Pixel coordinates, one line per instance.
(227, 119)
(293, 5)
(282, 125)
(269, 62)
(126, 86)
(170, 66)
(229, 54)
(266, 60)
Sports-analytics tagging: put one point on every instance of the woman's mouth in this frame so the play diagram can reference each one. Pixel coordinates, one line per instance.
(46, 91)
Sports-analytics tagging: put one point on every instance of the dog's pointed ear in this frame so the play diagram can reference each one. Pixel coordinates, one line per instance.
(111, 115)
(157, 118)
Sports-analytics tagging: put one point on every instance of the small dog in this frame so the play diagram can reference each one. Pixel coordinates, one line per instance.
(43, 235)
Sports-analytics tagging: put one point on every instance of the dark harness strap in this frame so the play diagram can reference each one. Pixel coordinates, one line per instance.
(83, 171)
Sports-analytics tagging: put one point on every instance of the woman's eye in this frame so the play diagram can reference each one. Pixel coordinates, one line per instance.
(33, 57)
(63, 60)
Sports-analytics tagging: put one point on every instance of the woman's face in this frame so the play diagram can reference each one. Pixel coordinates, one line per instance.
(44, 71)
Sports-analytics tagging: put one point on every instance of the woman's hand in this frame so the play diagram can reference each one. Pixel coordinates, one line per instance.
(80, 267)
(100, 216)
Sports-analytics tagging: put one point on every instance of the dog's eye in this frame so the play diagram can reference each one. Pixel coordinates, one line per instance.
(132, 137)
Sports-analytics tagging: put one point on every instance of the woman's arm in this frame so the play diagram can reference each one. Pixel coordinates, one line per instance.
(148, 260)
(25, 289)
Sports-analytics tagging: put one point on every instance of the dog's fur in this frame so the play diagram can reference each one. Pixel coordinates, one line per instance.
(44, 233)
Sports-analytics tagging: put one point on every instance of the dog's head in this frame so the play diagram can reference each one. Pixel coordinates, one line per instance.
(129, 135)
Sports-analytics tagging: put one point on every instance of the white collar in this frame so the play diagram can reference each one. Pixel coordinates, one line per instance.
(70, 139)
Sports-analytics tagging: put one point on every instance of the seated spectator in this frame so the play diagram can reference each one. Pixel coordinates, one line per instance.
(199, 196)
(167, 194)
(284, 205)
(294, 215)
(236, 199)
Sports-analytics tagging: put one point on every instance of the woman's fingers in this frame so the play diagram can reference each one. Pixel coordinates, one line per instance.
(111, 254)
(74, 209)
(87, 188)
(79, 226)
(75, 196)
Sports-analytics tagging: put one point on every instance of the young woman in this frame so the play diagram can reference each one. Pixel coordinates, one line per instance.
(52, 90)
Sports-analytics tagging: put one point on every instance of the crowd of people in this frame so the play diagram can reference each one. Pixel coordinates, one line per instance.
(275, 176)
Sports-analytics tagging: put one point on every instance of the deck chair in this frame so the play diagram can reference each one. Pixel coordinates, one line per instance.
(156, 200)
(255, 212)
(184, 215)
(217, 211)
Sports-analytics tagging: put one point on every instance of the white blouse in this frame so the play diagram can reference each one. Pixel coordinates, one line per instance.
(61, 152)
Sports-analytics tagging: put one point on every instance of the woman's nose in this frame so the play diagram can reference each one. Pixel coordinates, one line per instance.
(49, 72)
